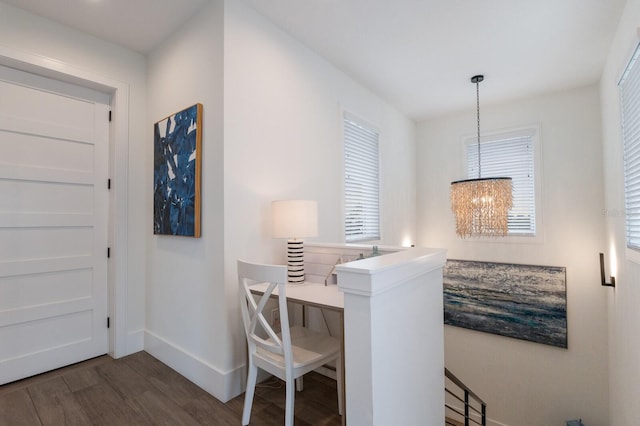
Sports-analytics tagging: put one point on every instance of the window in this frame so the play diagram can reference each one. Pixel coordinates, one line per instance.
(510, 154)
(361, 181)
(629, 87)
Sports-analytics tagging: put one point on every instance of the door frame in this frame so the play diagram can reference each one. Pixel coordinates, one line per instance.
(118, 171)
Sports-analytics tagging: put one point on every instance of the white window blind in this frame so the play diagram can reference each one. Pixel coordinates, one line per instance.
(361, 181)
(629, 88)
(513, 157)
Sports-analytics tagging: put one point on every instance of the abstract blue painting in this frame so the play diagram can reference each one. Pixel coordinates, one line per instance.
(177, 144)
(522, 301)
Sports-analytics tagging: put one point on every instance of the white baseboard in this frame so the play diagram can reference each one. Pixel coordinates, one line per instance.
(223, 386)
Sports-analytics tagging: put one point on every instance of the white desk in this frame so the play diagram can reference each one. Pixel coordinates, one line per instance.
(319, 296)
(384, 303)
(310, 294)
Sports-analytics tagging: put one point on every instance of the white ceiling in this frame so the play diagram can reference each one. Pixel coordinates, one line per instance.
(137, 24)
(416, 54)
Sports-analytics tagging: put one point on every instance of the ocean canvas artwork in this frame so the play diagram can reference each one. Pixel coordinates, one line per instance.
(521, 301)
(177, 173)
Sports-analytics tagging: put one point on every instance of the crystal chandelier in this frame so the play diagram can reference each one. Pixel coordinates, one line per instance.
(481, 206)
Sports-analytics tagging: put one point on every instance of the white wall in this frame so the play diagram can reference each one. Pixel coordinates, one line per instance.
(282, 110)
(272, 132)
(526, 383)
(70, 49)
(283, 107)
(186, 321)
(624, 315)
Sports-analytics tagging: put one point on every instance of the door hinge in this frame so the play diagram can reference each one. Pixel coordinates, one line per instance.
(108, 183)
(109, 116)
(108, 252)
(108, 322)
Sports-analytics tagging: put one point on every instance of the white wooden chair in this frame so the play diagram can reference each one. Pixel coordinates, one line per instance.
(287, 355)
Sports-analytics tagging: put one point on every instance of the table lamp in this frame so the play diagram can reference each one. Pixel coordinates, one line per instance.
(294, 219)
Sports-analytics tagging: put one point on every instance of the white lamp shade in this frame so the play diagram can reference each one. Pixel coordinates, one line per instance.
(294, 218)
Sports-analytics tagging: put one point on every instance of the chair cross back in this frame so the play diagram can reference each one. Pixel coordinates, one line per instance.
(287, 355)
(253, 313)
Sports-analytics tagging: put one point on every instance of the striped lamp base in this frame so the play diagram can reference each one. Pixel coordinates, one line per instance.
(295, 261)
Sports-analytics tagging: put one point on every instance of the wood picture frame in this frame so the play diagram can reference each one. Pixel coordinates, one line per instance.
(177, 173)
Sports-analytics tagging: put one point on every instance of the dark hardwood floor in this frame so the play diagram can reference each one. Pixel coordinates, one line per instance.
(140, 390)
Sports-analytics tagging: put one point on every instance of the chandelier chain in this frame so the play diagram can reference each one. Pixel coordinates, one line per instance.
(478, 115)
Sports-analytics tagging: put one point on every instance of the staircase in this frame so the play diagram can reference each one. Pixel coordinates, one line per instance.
(462, 406)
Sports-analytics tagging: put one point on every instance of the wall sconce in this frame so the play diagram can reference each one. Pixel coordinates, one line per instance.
(294, 219)
(613, 279)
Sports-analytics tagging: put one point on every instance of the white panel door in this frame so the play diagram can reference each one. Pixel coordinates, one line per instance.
(54, 156)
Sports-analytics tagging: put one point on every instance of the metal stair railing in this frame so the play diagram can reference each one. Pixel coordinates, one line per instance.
(474, 407)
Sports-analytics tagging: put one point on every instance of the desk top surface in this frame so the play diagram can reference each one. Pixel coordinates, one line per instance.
(311, 294)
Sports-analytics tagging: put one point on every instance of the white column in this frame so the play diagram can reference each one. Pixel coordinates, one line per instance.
(394, 338)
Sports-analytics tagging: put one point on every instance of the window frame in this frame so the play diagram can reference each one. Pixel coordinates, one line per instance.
(533, 131)
(364, 237)
(632, 251)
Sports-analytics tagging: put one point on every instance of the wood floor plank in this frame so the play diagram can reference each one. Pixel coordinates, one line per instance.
(25, 383)
(82, 378)
(259, 404)
(320, 390)
(157, 409)
(311, 406)
(237, 404)
(207, 410)
(141, 390)
(125, 381)
(55, 404)
(315, 412)
(105, 406)
(16, 409)
(275, 395)
(272, 415)
(170, 382)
